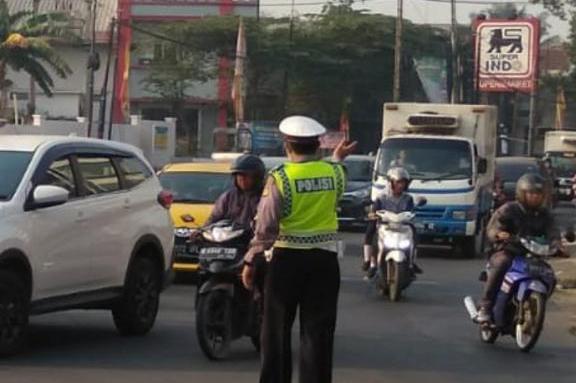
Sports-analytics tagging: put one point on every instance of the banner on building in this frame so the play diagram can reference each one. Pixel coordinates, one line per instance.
(507, 55)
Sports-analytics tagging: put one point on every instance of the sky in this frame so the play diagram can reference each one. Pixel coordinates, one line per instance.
(418, 11)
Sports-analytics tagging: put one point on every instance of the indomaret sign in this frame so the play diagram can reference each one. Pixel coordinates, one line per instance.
(507, 55)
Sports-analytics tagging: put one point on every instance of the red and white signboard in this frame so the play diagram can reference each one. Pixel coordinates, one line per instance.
(507, 55)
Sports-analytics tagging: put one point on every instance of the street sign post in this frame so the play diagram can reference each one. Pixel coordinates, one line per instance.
(507, 55)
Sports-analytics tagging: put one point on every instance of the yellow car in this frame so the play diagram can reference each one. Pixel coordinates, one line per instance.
(195, 187)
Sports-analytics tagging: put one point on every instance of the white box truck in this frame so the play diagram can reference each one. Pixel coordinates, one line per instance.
(560, 148)
(449, 151)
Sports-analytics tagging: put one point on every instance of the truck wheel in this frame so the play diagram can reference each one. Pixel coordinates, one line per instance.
(136, 312)
(13, 313)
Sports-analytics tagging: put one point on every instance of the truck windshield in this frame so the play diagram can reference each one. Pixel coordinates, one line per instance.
(12, 167)
(563, 164)
(427, 159)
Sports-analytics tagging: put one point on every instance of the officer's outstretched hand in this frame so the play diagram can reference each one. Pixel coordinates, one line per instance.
(344, 149)
(248, 276)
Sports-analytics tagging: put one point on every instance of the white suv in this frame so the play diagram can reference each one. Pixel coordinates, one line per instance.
(83, 225)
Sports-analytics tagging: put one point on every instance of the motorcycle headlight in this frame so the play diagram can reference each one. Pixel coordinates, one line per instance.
(391, 242)
(404, 243)
(183, 232)
(221, 234)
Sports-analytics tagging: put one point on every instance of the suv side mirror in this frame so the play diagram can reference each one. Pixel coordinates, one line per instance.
(482, 166)
(48, 195)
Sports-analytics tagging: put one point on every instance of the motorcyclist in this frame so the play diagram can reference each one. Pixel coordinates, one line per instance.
(239, 203)
(395, 200)
(527, 216)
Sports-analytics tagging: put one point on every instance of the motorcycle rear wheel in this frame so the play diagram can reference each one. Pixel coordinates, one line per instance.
(533, 314)
(214, 324)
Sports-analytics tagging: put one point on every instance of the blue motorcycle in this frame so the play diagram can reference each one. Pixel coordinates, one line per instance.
(520, 305)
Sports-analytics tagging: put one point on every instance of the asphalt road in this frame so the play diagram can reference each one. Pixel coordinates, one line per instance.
(425, 338)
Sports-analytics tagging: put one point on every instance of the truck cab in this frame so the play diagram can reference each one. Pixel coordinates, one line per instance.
(560, 150)
(449, 152)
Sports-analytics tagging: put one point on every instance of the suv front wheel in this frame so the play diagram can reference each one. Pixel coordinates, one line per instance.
(13, 313)
(136, 312)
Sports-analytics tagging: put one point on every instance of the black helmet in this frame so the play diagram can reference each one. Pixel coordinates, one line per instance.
(249, 163)
(530, 182)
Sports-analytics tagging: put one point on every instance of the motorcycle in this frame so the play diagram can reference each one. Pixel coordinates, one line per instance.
(225, 310)
(396, 252)
(520, 305)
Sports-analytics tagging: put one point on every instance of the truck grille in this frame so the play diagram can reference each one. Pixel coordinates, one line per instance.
(431, 212)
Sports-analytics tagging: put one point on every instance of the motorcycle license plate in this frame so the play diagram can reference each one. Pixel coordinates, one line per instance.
(218, 253)
(180, 250)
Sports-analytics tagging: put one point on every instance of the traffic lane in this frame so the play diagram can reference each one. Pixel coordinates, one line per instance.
(426, 336)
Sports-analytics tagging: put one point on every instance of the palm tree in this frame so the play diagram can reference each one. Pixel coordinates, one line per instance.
(25, 44)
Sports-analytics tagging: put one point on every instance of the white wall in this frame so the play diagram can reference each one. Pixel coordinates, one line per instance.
(68, 92)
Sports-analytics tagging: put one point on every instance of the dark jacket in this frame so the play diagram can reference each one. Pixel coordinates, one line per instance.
(515, 219)
(394, 204)
(236, 205)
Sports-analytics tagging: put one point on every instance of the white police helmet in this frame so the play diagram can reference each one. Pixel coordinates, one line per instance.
(301, 128)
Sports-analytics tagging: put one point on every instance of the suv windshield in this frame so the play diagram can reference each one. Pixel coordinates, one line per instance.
(359, 170)
(427, 159)
(512, 171)
(196, 187)
(12, 167)
(563, 164)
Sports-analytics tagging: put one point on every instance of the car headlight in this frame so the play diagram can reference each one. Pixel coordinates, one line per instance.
(183, 232)
(360, 193)
(404, 243)
(222, 234)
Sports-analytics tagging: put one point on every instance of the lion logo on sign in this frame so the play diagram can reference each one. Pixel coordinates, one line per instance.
(503, 38)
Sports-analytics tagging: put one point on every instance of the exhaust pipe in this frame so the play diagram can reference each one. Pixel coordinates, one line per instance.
(471, 308)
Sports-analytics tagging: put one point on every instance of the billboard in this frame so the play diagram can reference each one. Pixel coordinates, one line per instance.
(507, 55)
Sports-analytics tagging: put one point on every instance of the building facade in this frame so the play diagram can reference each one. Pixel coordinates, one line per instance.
(206, 105)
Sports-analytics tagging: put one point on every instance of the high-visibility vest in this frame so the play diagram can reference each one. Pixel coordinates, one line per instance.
(310, 193)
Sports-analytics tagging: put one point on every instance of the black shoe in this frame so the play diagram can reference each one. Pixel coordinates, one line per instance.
(416, 269)
(371, 272)
(365, 265)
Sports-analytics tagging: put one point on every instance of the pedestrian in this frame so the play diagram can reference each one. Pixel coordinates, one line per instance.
(297, 219)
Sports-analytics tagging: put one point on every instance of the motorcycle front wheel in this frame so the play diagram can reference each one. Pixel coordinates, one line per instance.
(397, 274)
(532, 312)
(214, 324)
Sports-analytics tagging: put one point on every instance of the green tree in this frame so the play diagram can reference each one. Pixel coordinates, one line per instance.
(25, 44)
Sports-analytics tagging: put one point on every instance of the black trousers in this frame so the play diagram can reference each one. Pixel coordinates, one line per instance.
(370, 233)
(500, 262)
(308, 280)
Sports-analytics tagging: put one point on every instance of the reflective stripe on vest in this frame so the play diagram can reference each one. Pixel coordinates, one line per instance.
(310, 193)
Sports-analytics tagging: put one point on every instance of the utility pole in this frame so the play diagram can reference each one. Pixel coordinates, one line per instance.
(454, 94)
(398, 52)
(32, 89)
(104, 91)
(93, 65)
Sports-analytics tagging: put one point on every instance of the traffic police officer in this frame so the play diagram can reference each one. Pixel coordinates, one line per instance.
(297, 219)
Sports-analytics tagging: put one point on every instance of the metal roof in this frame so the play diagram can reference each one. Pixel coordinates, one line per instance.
(29, 143)
(78, 9)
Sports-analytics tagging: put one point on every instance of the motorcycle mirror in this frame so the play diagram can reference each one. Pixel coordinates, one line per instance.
(421, 202)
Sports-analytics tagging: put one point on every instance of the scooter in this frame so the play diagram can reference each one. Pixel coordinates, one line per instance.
(520, 305)
(396, 252)
(225, 310)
